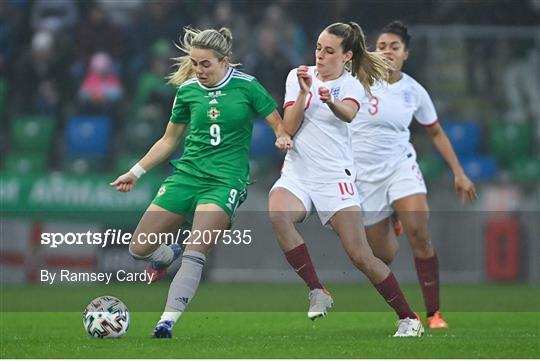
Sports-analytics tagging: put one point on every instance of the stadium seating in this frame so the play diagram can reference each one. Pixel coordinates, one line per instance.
(32, 133)
(126, 160)
(510, 141)
(263, 152)
(431, 166)
(464, 136)
(151, 87)
(263, 141)
(88, 136)
(26, 162)
(3, 97)
(480, 168)
(139, 135)
(526, 170)
(82, 165)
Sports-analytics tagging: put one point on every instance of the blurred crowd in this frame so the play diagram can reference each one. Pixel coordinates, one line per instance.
(63, 58)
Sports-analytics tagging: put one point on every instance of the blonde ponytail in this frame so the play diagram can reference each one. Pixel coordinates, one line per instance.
(218, 41)
(366, 66)
(227, 35)
(369, 68)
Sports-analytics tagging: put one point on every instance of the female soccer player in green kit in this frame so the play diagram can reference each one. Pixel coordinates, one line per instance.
(209, 181)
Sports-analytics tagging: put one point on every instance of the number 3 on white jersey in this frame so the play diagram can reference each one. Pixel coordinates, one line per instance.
(215, 133)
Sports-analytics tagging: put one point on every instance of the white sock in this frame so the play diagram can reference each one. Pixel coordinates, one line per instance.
(184, 285)
(170, 316)
(163, 255)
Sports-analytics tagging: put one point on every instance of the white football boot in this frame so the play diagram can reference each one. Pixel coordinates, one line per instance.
(319, 301)
(408, 327)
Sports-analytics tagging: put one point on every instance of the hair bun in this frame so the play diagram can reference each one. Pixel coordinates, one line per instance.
(226, 33)
(399, 28)
(398, 25)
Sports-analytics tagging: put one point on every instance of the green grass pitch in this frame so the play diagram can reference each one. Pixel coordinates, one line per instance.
(269, 321)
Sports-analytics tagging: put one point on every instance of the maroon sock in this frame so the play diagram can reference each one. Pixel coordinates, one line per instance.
(428, 276)
(301, 263)
(389, 289)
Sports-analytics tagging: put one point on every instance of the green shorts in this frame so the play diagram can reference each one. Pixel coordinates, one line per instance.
(181, 192)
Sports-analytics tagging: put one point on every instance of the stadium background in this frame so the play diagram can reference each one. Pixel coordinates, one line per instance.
(66, 131)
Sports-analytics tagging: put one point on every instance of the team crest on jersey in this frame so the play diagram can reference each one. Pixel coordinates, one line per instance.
(161, 191)
(335, 92)
(213, 113)
(407, 97)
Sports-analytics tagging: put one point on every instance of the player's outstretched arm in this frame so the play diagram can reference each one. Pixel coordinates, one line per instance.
(283, 139)
(161, 150)
(463, 185)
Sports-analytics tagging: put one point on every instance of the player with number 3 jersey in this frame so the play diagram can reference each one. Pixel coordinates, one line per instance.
(388, 176)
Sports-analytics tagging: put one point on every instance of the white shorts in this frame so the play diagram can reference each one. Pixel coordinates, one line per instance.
(328, 198)
(377, 197)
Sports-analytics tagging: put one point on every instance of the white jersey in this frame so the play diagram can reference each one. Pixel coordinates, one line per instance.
(380, 131)
(322, 150)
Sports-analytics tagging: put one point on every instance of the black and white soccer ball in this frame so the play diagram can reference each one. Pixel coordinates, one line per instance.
(106, 317)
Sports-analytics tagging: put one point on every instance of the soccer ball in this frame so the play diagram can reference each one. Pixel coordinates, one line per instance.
(106, 317)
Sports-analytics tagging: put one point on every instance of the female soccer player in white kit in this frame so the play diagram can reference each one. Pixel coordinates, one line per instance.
(318, 171)
(388, 176)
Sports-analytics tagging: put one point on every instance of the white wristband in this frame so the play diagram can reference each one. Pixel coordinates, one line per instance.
(137, 170)
(332, 98)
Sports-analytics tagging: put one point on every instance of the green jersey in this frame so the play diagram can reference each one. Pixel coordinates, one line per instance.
(221, 119)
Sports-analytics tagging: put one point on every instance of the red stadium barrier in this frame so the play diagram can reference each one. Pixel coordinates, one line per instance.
(502, 249)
